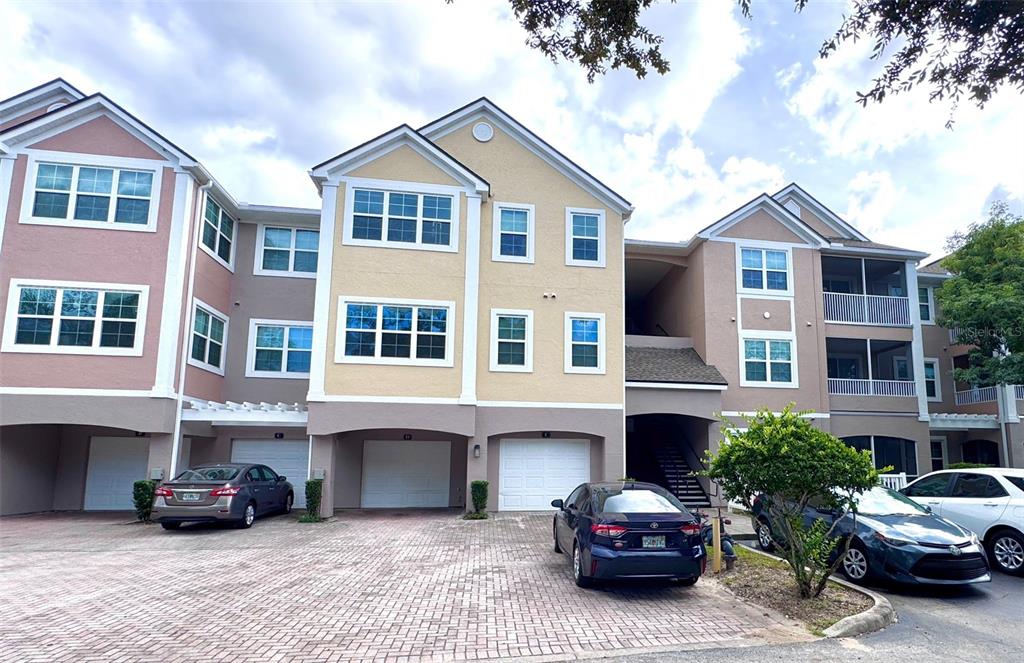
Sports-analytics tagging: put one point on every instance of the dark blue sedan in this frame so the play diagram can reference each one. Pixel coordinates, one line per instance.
(628, 530)
(894, 539)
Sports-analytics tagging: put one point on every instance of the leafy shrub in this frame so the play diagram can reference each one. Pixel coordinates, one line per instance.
(475, 515)
(142, 496)
(968, 466)
(478, 489)
(314, 493)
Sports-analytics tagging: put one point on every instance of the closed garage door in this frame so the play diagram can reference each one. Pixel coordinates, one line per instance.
(287, 457)
(115, 464)
(406, 473)
(534, 472)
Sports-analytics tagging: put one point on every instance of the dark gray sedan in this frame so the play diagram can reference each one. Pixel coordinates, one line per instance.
(222, 492)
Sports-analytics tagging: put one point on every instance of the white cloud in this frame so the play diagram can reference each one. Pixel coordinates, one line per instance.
(870, 201)
(786, 76)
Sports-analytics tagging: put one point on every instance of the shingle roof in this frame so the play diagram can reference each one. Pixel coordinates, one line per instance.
(856, 243)
(681, 365)
(934, 268)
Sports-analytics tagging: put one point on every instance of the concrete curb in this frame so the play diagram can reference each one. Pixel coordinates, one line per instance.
(878, 616)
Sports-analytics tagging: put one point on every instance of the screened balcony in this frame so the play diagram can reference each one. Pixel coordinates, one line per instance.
(865, 292)
(859, 367)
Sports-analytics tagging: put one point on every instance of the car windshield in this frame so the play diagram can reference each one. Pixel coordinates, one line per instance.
(883, 502)
(208, 474)
(639, 500)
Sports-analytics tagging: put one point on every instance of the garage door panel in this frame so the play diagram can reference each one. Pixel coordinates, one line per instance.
(287, 457)
(534, 472)
(115, 464)
(406, 473)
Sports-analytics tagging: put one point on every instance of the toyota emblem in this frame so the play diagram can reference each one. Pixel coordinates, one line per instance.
(654, 525)
(954, 551)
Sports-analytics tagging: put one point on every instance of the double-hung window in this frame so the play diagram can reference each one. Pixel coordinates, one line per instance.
(931, 380)
(584, 343)
(92, 196)
(287, 252)
(402, 219)
(79, 318)
(513, 233)
(279, 349)
(511, 340)
(414, 333)
(584, 237)
(924, 298)
(218, 231)
(768, 362)
(209, 331)
(764, 269)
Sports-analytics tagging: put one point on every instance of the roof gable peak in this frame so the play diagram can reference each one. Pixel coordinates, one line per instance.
(774, 209)
(843, 229)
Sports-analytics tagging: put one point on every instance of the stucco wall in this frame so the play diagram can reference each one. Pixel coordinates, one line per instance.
(761, 226)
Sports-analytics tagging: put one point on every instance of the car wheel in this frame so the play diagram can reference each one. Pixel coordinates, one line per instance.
(170, 525)
(855, 563)
(288, 503)
(764, 537)
(554, 535)
(248, 516)
(577, 568)
(1006, 550)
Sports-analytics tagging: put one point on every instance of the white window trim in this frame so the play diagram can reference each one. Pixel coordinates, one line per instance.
(758, 335)
(496, 233)
(601, 343)
(250, 354)
(505, 368)
(230, 265)
(764, 246)
(35, 157)
(352, 183)
(217, 370)
(257, 264)
(938, 380)
(931, 305)
(11, 319)
(602, 237)
(339, 333)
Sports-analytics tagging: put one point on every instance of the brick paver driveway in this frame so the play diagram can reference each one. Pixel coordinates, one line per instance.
(364, 586)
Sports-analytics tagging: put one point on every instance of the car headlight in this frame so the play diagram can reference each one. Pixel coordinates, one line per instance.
(975, 540)
(892, 541)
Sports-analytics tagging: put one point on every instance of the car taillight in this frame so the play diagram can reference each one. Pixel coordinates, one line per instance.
(612, 531)
(690, 529)
(163, 491)
(226, 490)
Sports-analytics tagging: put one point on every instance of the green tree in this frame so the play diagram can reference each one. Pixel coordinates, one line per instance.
(792, 465)
(984, 299)
(958, 48)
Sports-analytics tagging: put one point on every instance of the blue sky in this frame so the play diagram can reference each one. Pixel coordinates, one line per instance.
(261, 92)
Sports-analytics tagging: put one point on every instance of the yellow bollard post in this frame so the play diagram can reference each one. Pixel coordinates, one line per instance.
(716, 541)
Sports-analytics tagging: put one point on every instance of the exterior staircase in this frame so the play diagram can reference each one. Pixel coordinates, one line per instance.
(677, 475)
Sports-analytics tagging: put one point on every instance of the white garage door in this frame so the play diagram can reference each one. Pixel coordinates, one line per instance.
(534, 472)
(115, 464)
(287, 457)
(406, 473)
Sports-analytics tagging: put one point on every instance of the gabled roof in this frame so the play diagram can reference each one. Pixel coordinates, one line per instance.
(38, 97)
(388, 141)
(774, 209)
(484, 107)
(843, 245)
(830, 218)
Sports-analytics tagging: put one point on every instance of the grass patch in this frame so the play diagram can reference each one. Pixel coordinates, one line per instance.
(475, 515)
(769, 582)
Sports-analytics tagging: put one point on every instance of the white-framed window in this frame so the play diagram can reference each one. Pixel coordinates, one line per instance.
(932, 381)
(209, 336)
(395, 331)
(511, 340)
(75, 317)
(279, 349)
(926, 302)
(218, 233)
(764, 269)
(584, 237)
(584, 343)
(513, 233)
(404, 215)
(283, 251)
(86, 191)
(767, 362)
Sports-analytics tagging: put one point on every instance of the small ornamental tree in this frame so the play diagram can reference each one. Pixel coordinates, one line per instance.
(792, 466)
(142, 496)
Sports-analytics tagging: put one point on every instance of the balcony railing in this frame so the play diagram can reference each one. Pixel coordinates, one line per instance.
(867, 309)
(894, 481)
(1019, 389)
(849, 387)
(978, 395)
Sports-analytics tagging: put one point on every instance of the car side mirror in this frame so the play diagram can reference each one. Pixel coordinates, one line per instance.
(927, 508)
(558, 504)
(281, 477)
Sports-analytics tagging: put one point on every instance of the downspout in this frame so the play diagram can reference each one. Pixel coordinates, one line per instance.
(186, 330)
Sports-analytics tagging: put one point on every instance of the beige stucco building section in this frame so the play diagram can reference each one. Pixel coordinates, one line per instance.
(517, 175)
(403, 164)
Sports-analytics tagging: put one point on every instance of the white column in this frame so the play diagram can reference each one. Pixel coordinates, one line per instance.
(471, 305)
(917, 344)
(6, 175)
(322, 299)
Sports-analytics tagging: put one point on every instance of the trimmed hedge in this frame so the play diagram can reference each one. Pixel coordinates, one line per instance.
(479, 489)
(314, 494)
(142, 496)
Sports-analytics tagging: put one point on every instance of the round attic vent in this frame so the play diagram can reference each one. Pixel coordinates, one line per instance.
(483, 132)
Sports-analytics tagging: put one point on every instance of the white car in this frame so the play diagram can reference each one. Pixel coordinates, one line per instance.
(988, 501)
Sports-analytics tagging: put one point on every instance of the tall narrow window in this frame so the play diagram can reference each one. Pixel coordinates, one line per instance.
(924, 298)
(584, 343)
(511, 340)
(218, 231)
(584, 238)
(513, 233)
(208, 333)
(931, 380)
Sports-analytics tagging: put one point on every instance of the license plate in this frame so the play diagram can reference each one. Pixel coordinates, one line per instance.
(654, 542)
(195, 497)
